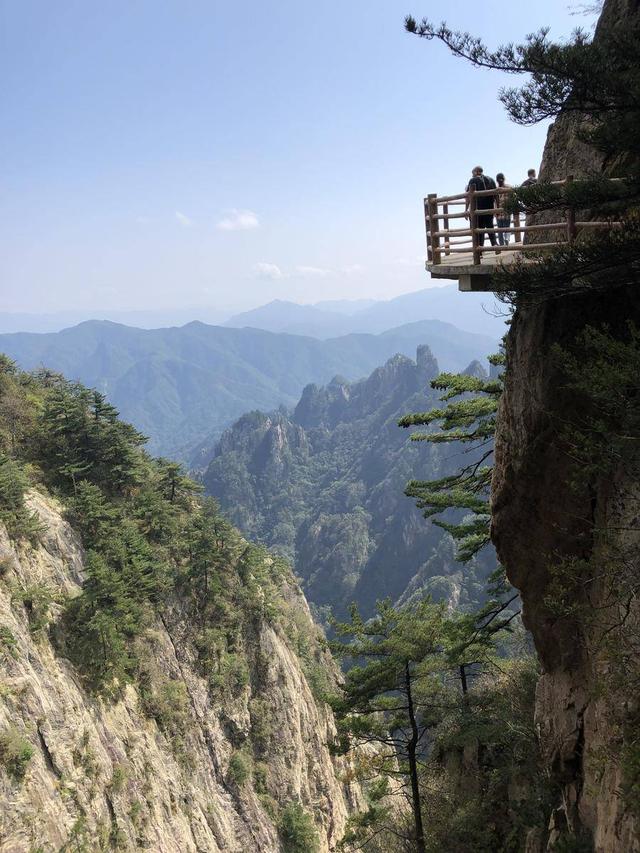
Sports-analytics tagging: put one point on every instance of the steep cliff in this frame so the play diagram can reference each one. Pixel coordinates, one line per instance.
(109, 774)
(549, 526)
(161, 679)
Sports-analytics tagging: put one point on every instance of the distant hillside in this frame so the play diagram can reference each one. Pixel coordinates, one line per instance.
(473, 312)
(325, 486)
(183, 385)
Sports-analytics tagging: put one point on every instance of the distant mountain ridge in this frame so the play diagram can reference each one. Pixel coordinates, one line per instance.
(184, 385)
(472, 312)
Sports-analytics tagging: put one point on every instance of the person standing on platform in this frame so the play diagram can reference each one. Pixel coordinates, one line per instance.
(531, 179)
(484, 221)
(503, 219)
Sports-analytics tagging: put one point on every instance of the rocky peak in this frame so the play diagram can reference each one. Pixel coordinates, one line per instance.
(427, 363)
(475, 369)
(340, 401)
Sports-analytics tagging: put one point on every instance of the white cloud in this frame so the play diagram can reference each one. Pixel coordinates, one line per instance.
(352, 269)
(238, 220)
(312, 272)
(269, 271)
(183, 219)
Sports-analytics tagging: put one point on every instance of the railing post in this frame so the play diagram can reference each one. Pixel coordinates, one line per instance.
(473, 224)
(427, 226)
(571, 216)
(447, 240)
(433, 227)
(517, 236)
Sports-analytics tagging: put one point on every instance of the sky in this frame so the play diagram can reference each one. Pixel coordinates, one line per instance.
(203, 155)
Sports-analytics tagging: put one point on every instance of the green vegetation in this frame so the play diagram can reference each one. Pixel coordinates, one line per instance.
(240, 768)
(484, 784)
(297, 830)
(419, 686)
(447, 698)
(36, 599)
(19, 521)
(167, 702)
(119, 778)
(8, 641)
(15, 753)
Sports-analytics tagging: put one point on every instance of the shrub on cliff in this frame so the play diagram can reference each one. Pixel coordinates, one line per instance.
(297, 830)
(15, 753)
(14, 514)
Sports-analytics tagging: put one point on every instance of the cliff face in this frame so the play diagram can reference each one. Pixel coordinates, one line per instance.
(106, 775)
(543, 519)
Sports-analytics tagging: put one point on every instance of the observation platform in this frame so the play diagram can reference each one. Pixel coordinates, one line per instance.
(459, 252)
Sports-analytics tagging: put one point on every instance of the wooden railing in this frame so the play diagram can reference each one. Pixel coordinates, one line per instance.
(442, 240)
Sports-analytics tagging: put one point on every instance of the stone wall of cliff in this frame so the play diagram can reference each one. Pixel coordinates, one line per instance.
(105, 775)
(542, 519)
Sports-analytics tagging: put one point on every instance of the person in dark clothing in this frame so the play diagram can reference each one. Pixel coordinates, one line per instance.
(531, 181)
(478, 182)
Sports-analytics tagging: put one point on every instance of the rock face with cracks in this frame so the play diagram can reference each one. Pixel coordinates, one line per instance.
(541, 519)
(103, 775)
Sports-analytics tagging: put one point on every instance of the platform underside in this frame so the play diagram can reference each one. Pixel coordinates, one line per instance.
(472, 276)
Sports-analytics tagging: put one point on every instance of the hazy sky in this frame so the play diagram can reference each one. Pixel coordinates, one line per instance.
(206, 153)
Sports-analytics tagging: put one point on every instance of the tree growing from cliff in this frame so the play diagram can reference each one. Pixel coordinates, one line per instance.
(468, 418)
(597, 80)
(413, 667)
(383, 696)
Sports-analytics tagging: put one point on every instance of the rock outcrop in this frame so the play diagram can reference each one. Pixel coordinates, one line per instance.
(103, 774)
(542, 519)
(324, 486)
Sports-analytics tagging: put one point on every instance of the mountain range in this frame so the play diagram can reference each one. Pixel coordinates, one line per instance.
(324, 486)
(183, 386)
(473, 312)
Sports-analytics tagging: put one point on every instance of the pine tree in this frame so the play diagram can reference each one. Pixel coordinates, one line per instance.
(20, 522)
(396, 653)
(101, 623)
(82, 438)
(175, 486)
(468, 418)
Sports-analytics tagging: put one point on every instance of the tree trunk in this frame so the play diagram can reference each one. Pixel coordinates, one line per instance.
(463, 678)
(412, 748)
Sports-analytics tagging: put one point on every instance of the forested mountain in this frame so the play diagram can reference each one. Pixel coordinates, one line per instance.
(162, 680)
(324, 485)
(477, 313)
(183, 385)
